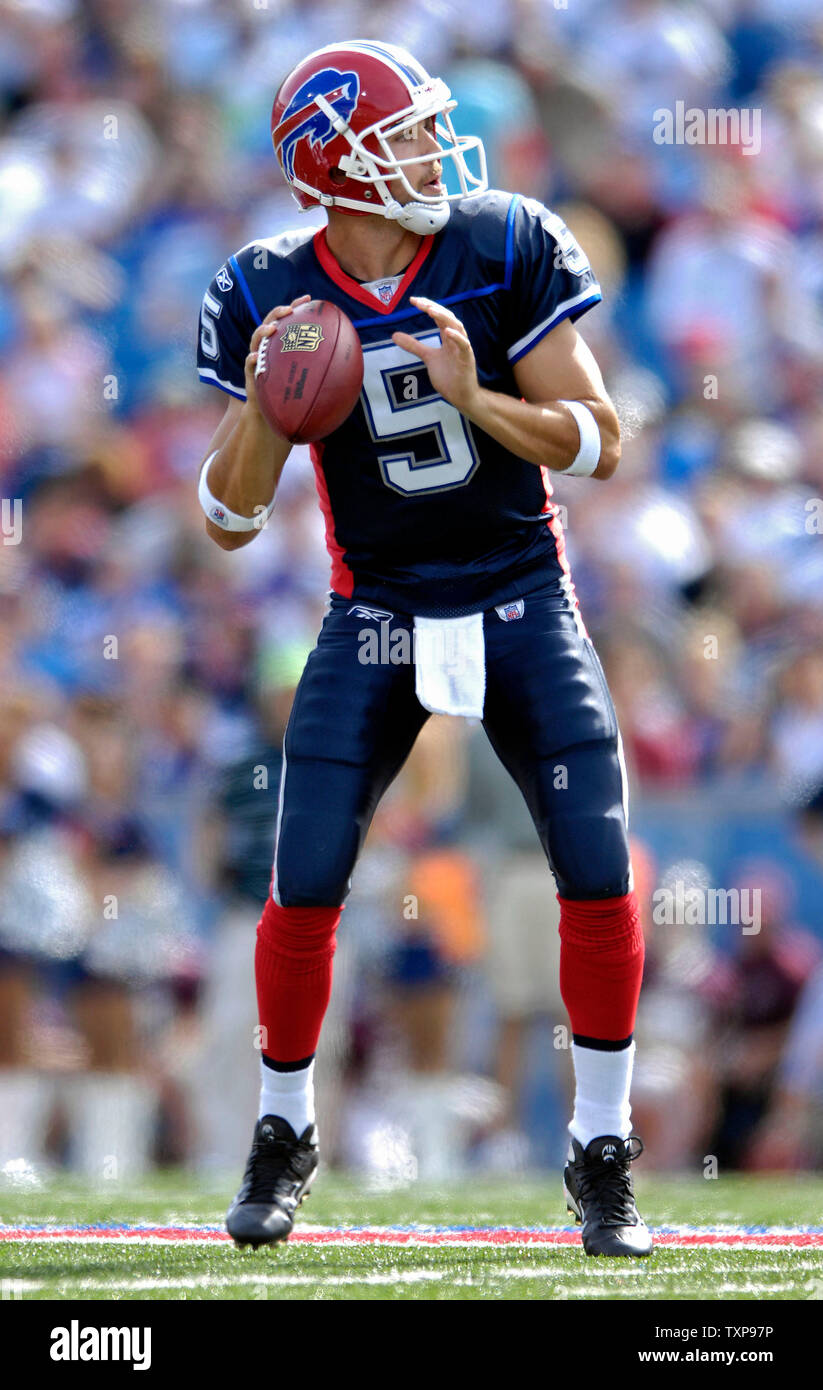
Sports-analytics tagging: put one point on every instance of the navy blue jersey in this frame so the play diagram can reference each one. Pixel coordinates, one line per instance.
(425, 513)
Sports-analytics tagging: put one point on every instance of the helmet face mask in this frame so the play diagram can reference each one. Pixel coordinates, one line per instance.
(337, 114)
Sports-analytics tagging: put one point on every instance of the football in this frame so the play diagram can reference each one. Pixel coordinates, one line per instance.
(309, 372)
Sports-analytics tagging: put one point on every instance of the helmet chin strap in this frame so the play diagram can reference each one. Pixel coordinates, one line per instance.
(420, 218)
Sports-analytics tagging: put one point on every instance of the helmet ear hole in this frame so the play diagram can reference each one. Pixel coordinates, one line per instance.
(337, 176)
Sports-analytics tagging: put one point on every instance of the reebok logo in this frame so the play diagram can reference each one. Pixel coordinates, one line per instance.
(76, 1343)
(609, 1153)
(360, 610)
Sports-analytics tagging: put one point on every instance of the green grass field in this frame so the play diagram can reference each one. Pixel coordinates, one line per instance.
(116, 1270)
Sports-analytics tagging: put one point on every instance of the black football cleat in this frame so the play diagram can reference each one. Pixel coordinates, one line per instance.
(597, 1184)
(278, 1176)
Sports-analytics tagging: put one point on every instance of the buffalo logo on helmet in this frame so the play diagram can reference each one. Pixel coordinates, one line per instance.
(301, 337)
(303, 119)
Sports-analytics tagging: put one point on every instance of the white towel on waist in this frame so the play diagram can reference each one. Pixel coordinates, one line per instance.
(450, 665)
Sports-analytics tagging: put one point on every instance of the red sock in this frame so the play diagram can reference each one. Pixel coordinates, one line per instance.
(293, 972)
(601, 965)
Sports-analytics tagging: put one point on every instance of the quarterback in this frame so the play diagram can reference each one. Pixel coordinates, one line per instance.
(439, 524)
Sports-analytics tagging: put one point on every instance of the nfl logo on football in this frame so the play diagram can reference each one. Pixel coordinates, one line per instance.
(301, 337)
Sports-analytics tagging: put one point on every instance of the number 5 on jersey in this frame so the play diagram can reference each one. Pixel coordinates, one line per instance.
(425, 444)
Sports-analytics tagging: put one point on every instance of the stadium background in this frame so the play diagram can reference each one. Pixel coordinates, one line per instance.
(147, 675)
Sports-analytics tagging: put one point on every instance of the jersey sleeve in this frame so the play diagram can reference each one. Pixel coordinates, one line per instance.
(551, 278)
(224, 332)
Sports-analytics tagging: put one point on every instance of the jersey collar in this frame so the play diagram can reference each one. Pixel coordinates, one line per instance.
(355, 290)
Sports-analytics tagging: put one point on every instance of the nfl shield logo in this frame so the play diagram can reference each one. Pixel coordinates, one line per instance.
(512, 610)
(301, 337)
(386, 292)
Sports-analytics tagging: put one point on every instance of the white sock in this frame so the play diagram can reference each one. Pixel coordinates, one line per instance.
(601, 1101)
(25, 1102)
(111, 1118)
(289, 1094)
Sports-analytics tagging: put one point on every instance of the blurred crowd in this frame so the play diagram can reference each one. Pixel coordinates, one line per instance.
(146, 675)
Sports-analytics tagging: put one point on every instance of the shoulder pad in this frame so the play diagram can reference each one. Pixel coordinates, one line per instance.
(280, 246)
(574, 257)
(483, 210)
(484, 219)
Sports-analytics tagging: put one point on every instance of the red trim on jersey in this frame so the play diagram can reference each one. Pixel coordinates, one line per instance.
(555, 525)
(342, 579)
(355, 290)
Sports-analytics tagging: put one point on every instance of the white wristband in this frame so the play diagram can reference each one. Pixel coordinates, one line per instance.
(588, 455)
(220, 514)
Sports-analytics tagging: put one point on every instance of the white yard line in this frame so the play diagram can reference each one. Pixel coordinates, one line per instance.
(482, 1279)
(210, 1281)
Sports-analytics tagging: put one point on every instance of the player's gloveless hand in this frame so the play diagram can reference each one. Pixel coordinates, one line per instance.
(265, 330)
(451, 367)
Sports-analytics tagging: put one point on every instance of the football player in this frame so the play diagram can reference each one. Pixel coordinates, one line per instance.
(440, 525)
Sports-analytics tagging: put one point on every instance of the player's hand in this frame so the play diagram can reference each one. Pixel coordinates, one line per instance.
(265, 330)
(451, 367)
